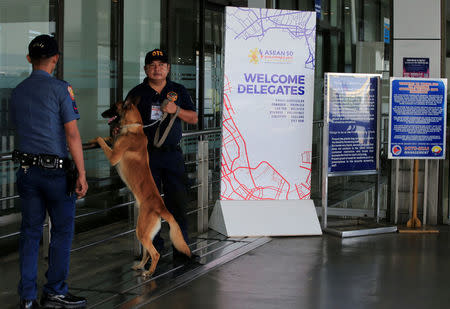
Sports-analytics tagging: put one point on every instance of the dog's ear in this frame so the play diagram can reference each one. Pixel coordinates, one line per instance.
(110, 112)
(131, 101)
(135, 100)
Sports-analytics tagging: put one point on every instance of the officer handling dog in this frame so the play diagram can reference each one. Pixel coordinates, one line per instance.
(159, 95)
(45, 115)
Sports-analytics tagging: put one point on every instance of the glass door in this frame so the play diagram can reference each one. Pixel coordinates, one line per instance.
(90, 53)
(20, 22)
(88, 65)
(213, 66)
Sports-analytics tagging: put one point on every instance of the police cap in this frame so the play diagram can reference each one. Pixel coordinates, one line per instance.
(156, 54)
(43, 46)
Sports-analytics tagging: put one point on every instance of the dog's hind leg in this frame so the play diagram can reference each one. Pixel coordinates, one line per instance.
(147, 227)
(145, 258)
(175, 233)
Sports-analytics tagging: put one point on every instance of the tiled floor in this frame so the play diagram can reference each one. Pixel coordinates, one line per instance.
(381, 271)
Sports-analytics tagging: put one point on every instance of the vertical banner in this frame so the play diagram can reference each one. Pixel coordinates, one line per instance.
(268, 104)
(417, 119)
(352, 102)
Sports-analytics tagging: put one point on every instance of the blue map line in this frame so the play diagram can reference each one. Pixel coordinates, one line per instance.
(254, 25)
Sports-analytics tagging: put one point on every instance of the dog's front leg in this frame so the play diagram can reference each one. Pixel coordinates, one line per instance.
(112, 155)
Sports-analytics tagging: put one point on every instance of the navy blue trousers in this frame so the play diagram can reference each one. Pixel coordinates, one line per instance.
(41, 191)
(168, 171)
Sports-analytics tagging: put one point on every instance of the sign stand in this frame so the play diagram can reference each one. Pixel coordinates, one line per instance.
(417, 126)
(414, 221)
(265, 218)
(352, 108)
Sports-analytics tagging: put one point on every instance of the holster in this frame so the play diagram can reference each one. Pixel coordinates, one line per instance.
(71, 176)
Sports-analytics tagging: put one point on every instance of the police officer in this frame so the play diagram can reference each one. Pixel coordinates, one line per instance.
(165, 156)
(45, 115)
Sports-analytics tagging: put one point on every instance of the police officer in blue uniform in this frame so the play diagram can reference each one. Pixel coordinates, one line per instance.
(165, 156)
(45, 115)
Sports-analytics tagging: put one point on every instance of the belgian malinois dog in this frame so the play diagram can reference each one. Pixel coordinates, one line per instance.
(129, 155)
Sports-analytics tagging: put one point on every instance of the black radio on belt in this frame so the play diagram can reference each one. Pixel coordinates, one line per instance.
(47, 161)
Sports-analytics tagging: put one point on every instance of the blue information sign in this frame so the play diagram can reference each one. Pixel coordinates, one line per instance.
(417, 118)
(352, 101)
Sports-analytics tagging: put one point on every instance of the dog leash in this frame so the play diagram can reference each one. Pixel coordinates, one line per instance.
(157, 142)
(163, 104)
(160, 120)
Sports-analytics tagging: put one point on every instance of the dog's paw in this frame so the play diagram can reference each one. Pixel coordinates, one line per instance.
(138, 267)
(92, 141)
(147, 274)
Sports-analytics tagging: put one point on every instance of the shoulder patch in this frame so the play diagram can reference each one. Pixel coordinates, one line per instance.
(70, 90)
(172, 96)
(75, 108)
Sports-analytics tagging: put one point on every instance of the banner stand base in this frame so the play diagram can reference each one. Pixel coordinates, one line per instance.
(265, 218)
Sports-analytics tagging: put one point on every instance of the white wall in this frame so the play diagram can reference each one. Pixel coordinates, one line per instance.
(417, 33)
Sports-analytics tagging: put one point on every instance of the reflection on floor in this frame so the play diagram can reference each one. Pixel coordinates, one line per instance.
(103, 274)
(379, 271)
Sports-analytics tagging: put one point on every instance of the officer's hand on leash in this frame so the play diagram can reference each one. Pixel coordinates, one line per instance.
(81, 186)
(170, 107)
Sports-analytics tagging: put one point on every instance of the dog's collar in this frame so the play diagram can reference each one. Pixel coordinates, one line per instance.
(131, 125)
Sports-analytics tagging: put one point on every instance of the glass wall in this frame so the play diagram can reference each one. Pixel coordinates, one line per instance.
(213, 66)
(90, 66)
(142, 33)
(20, 22)
(182, 32)
(104, 45)
(350, 38)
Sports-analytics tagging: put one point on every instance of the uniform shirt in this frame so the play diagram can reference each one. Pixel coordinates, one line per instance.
(150, 103)
(40, 106)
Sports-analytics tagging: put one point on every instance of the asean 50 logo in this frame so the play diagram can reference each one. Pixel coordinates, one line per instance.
(254, 56)
(277, 56)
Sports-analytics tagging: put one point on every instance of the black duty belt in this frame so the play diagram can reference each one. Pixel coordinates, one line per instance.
(47, 161)
(164, 148)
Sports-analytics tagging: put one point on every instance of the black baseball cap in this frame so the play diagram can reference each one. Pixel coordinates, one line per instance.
(43, 46)
(156, 54)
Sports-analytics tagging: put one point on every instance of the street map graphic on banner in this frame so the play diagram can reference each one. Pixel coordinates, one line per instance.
(268, 104)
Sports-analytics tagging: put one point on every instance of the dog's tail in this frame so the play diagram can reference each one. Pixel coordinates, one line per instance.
(175, 233)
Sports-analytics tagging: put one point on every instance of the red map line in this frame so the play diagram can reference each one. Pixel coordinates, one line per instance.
(241, 181)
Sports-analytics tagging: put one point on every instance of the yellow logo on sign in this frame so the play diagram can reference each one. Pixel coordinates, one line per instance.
(254, 56)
